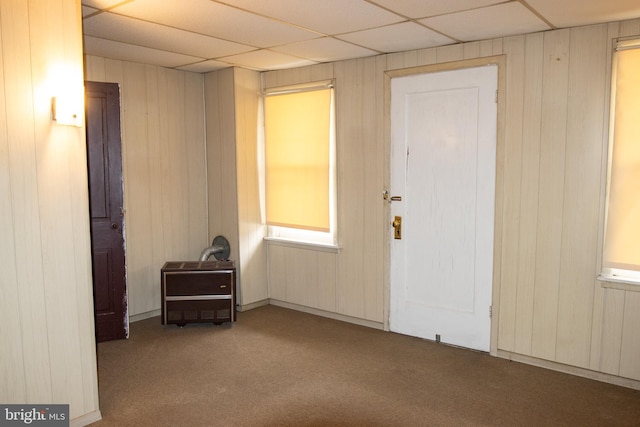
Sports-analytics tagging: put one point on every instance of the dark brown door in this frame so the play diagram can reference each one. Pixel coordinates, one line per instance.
(104, 159)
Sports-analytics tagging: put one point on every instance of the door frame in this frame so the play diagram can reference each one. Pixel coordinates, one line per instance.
(500, 62)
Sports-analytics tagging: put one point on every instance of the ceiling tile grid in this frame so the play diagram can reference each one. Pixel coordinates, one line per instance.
(500, 20)
(207, 35)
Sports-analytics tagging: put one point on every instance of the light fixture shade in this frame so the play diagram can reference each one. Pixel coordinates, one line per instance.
(65, 111)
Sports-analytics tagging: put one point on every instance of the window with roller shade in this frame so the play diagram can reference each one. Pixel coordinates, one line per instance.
(621, 255)
(300, 163)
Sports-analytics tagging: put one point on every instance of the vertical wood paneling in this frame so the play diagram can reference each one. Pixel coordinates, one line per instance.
(171, 163)
(47, 354)
(551, 191)
(491, 47)
(427, 56)
(137, 195)
(401, 60)
(277, 272)
(360, 185)
(95, 67)
(305, 277)
(597, 351)
(53, 183)
(19, 93)
(612, 322)
(630, 345)
(514, 49)
(157, 243)
(312, 73)
(585, 120)
(450, 53)
(221, 158)
(164, 170)
(556, 109)
(13, 388)
(252, 261)
(530, 176)
(555, 116)
(195, 162)
(629, 28)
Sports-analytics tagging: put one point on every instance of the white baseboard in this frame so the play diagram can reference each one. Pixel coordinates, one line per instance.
(252, 305)
(143, 316)
(86, 419)
(571, 370)
(329, 314)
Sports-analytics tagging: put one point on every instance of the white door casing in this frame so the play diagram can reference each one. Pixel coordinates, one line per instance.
(443, 151)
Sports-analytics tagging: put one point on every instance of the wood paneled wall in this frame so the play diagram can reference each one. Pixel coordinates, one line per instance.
(47, 345)
(252, 258)
(550, 307)
(350, 281)
(232, 99)
(551, 201)
(164, 168)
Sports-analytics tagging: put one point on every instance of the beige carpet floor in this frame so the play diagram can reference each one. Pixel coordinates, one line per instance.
(279, 367)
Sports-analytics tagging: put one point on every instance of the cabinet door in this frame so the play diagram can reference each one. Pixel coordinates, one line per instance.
(198, 283)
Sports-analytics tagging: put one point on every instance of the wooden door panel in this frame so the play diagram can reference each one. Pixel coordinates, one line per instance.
(102, 277)
(104, 160)
(98, 182)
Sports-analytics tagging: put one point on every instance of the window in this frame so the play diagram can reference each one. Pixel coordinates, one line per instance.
(621, 256)
(300, 163)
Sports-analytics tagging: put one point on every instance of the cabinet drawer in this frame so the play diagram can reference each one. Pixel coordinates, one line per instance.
(199, 311)
(198, 283)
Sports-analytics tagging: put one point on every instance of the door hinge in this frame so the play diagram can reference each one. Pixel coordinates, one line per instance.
(496, 96)
(490, 311)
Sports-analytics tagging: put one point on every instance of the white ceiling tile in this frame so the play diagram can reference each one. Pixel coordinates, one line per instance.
(266, 60)
(126, 52)
(425, 8)
(325, 49)
(217, 20)
(397, 37)
(294, 31)
(326, 16)
(86, 11)
(204, 66)
(102, 4)
(134, 31)
(494, 21)
(570, 13)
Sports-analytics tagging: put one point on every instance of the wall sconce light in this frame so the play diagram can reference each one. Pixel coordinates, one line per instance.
(64, 111)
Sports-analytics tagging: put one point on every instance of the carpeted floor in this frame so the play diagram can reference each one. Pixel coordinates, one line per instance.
(279, 367)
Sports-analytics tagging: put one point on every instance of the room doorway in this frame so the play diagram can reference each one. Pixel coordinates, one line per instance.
(443, 171)
(104, 160)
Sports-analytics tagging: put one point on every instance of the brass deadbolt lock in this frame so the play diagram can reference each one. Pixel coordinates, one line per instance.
(397, 227)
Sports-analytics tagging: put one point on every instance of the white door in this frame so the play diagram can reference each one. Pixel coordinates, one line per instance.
(443, 151)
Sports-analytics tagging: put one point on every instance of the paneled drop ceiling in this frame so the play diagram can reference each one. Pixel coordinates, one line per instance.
(207, 35)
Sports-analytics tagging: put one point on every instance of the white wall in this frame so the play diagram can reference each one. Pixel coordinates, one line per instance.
(47, 345)
(232, 100)
(164, 168)
(549, 308)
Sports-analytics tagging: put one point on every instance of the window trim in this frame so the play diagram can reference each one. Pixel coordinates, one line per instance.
(297, 237)
(617, 278)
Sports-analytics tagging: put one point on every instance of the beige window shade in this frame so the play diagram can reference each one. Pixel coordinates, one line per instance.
(622, 239)
(297, 150)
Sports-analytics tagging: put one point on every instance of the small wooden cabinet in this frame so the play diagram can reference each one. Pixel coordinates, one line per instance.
(198, 292)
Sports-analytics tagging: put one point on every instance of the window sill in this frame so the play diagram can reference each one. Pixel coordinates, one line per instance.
(323, 247)
(619, 282)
